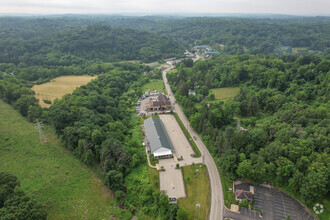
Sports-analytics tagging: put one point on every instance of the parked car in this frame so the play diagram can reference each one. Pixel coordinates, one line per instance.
(195, 138)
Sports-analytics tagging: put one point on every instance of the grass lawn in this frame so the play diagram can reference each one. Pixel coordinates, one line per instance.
(50, 173)
(225, 93)
(154, 84)
(198, 191)
(59, 87)
(189, 138)
(229, 197)
(154, 177)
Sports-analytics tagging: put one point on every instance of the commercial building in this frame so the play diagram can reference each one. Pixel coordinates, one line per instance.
(158, 141)
(161, 103)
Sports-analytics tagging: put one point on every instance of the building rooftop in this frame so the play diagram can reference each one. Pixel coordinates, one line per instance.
(241, 194)
(161, 100)
(160, 143)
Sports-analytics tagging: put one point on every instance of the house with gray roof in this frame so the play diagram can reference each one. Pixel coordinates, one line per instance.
(158, 141)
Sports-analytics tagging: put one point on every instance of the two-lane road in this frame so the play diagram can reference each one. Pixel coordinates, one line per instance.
(216, 211)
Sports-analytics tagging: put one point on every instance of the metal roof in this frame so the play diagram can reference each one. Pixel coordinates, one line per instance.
(160, 143)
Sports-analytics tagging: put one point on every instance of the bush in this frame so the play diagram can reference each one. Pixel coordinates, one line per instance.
(47, 101)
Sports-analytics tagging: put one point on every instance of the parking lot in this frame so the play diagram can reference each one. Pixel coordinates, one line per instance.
(274, 204)
(177, 137)
(277, 205)
(171, 181)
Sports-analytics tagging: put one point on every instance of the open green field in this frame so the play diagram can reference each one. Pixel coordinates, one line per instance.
(50, 173)
(154, 84)
(198, 191)
(59, 87)
(225, 93)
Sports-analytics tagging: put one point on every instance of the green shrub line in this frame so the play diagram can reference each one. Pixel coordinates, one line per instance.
(186, 133)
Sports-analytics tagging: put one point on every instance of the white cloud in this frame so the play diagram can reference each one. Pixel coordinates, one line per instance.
(166, 6)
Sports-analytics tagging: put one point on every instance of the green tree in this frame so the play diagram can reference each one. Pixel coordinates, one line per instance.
(244, 169)
(182, 214)
(315, 183)
(89, 157)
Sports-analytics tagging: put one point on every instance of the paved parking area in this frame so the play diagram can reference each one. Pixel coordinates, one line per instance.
(245, 214)
(177, 137)
(277, 205)
(171, 181)
(274, 204)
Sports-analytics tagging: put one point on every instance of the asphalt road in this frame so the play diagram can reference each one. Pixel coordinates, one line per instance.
(216, 211)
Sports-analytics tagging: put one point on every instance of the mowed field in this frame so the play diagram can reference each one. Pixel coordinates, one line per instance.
(58, 87)
(225, 93)
(154, 84)
(198, 191)
(50, 173)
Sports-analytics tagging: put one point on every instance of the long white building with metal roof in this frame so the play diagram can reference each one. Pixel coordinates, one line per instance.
(158, 141)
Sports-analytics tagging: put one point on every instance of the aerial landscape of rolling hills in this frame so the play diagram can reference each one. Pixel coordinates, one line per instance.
(124, 111)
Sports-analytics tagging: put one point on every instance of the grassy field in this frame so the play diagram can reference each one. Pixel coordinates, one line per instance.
(189, 138)
(198, 191)
(50, 173)
(225, 93)
(154, 84)
(58, 87)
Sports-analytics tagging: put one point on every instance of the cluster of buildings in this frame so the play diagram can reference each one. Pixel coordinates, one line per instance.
(206, 50)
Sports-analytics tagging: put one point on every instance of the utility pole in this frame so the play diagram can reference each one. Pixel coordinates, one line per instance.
(38, 126)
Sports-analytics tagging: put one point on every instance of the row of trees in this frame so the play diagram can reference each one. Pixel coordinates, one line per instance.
(286, 103)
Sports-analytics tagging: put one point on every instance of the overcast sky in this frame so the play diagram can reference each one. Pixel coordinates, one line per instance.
(295, 7)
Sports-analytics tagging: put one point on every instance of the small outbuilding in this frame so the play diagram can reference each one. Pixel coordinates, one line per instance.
(241, 194)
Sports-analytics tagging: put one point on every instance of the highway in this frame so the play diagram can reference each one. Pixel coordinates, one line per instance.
(216, 211)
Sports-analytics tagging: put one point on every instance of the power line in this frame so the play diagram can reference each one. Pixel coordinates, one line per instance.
(38, 126)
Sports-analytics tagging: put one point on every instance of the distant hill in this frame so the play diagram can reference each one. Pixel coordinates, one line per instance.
(40, 41)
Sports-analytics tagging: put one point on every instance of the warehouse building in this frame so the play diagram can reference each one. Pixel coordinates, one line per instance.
(158, 141)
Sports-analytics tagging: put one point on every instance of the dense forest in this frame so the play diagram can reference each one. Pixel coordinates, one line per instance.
(77, 45)
(14, 203)
(239, 35)
(285, 106)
